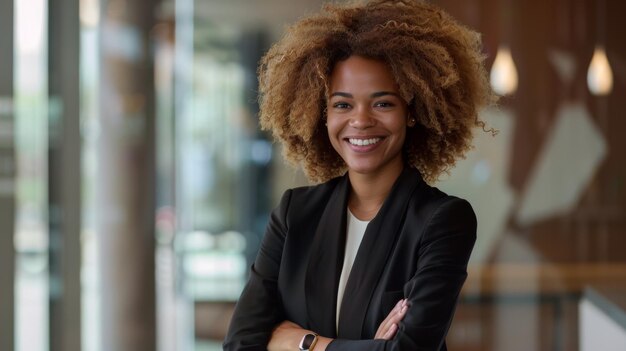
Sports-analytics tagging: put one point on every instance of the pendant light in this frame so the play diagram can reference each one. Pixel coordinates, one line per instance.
(503, 76)
(600, 74)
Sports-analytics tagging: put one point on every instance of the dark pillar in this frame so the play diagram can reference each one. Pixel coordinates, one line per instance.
(125, 188)
(7, 179)
(64, 169)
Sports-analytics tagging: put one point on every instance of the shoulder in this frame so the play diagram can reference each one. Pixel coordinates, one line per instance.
(431, 205)
(311, 194)
(313, 191)
(308, 200)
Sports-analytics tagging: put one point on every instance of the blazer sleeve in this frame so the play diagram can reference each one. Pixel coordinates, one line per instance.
(432, 292)
(259, 310)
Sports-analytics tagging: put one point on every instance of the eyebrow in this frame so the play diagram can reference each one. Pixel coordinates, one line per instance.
(373, 95)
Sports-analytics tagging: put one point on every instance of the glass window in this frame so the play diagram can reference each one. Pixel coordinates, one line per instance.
(31, 127)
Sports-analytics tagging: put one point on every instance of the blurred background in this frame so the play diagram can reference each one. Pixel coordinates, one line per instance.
(135, 184)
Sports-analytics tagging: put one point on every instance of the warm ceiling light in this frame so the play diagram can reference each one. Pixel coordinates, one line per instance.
(503, 77)
(599, 74)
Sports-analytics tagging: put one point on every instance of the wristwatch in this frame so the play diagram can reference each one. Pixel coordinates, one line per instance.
(308, 342)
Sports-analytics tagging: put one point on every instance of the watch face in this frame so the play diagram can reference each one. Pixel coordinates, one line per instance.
(307, 341)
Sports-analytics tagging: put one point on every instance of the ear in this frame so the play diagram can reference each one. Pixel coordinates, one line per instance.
(410, 122)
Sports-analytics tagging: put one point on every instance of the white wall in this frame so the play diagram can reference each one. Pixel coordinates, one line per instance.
(598, 331)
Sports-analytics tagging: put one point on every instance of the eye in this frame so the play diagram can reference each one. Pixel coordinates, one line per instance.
(341, 105)
(384, 104)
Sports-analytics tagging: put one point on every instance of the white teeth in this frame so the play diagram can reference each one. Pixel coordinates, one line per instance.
(363, 142)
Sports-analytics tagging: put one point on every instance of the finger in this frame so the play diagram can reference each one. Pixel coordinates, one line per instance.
(403, 311)
(397, 308)
(391, 332)
(398, 315)
(383, 328)
(391, 318)
(394, 319)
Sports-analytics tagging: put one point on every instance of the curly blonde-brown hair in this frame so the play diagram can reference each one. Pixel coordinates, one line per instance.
(437, 64)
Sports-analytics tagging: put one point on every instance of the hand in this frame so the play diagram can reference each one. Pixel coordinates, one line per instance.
(389, 327)
(286, 336)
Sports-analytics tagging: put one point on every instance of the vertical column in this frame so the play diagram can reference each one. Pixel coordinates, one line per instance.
(64, 171)
(7, 179)
(125, 188)
(183, 108)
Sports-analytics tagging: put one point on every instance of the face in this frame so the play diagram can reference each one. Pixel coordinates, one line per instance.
(367, 118)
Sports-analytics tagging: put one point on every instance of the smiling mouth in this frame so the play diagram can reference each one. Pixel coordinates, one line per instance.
(364, 142)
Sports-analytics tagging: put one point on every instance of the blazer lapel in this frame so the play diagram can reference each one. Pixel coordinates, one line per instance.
(379, 239)
(326, 261)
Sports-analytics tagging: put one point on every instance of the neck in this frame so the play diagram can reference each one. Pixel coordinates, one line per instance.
(369, 191)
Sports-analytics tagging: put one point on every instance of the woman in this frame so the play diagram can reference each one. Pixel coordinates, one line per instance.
(373, 101)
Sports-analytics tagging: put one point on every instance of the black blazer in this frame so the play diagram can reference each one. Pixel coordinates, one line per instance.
(417, 247)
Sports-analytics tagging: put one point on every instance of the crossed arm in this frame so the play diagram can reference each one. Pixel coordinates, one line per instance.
(287, 334)
(419, 322)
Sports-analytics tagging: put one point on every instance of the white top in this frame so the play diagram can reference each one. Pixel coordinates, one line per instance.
(354, 235)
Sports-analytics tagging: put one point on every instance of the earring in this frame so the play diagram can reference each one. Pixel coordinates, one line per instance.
(412, 122)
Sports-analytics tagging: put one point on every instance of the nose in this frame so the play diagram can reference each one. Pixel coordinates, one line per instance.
(362, 119)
